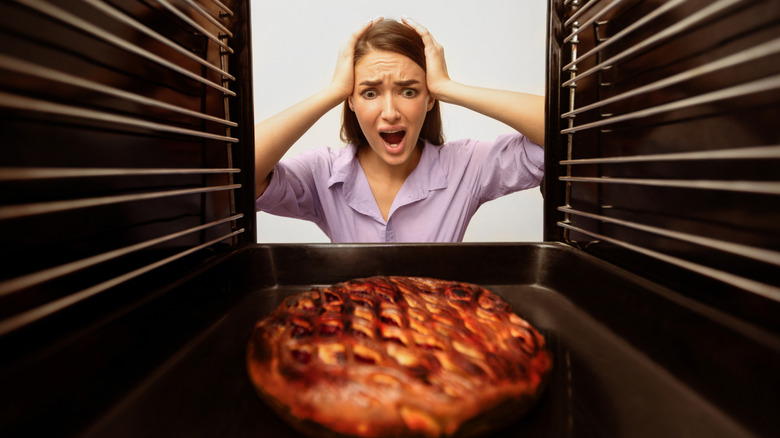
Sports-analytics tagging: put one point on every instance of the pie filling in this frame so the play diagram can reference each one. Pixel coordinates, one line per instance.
(398, 356)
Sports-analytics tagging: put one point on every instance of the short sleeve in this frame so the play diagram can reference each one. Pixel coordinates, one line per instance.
(508, 164)
(291, 192)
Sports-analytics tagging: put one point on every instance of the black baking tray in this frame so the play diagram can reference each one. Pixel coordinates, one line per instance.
(630, 357)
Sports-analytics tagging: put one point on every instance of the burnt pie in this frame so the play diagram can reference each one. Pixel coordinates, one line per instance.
(397, 356)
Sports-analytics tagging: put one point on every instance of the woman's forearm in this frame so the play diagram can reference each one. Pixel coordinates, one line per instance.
(276, 135)
(523, 112)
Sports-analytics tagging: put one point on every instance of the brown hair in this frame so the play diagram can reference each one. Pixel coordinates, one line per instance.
(392, 36)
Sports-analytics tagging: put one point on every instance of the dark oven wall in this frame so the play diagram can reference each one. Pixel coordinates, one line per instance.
(126, 148)
(664, 143)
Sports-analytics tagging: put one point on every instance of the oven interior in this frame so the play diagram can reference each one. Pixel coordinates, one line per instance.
(132, 278)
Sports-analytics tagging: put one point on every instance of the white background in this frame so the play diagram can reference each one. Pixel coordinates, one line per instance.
(489, 43)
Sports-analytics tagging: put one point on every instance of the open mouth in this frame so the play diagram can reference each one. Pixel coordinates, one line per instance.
(393, 137)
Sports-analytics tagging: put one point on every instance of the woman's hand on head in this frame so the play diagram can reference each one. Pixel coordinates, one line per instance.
(437, 77)
(343, 81)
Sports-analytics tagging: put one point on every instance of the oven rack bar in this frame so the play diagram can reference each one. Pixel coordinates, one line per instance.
(760, 254)
(25, 318)
(200, 29)
(66, 17)
(39, 173)
(207, 15)
(123, 18)
(224, 8)
(224, 60)
(746, 284)
(574, 18)
(114, 111)
(747, 153)
(669, 32)
(769, 48)
(572, 66)
(709, 148)
(744, 89)
(38, 208)
(35, 278)
(759, 187)
(35, 70)
(23, 103)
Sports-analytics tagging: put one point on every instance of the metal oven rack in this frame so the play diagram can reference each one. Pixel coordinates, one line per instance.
(669, 157)
(124, 168)
(118, 145)
(131, 278)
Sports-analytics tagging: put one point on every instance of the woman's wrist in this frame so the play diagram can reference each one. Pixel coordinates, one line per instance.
(336, 93)
(331, 96)
(447, 91)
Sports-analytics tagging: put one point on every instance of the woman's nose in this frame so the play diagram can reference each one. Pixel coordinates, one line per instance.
(389, 109)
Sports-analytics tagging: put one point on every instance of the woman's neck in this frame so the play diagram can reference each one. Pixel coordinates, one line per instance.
(386, 180)
(373, 166)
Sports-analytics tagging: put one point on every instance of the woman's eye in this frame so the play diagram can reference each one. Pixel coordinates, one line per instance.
(409, 92)
(368, 94)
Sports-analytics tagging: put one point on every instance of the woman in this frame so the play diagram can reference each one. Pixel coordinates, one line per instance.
(396, 181)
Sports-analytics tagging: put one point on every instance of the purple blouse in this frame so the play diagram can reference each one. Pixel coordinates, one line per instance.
(435, 204)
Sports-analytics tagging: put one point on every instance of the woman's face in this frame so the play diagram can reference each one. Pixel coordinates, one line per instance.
(390, 101)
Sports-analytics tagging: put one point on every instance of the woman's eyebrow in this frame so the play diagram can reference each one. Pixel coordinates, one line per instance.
(404, 83)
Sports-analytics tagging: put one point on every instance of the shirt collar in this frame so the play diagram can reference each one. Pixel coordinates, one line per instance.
(344, 167)
(346, 170)
(429, 175)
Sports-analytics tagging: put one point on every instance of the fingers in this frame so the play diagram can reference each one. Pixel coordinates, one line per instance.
(358, 33)
(353, 39)
(343, 76)
(421, 30)
(437, 76)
